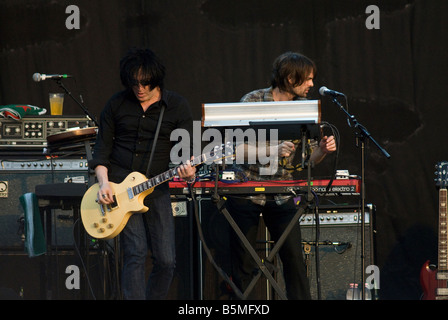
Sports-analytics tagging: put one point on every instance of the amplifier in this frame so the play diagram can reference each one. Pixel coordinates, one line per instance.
(19, 177)
(44, 164)
(340, 248)
(75, 170)
(32, 132)
(337, 215)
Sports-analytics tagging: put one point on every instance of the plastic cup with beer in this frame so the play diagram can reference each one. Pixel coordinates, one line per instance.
(56, 103)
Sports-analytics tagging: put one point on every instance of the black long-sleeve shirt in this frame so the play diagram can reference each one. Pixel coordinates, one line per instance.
(126, 134)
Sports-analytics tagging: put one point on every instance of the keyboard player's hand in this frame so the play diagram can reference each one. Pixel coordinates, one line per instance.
(285, 149)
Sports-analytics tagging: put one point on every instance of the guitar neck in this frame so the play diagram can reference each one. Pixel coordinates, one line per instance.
(165, 176)
(443, 230)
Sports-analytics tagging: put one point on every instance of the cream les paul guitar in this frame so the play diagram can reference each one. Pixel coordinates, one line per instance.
(107, 221)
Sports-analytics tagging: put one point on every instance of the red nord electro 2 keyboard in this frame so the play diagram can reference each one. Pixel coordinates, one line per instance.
(338, 187)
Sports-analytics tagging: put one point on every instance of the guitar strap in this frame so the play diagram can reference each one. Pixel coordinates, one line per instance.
(156, 136)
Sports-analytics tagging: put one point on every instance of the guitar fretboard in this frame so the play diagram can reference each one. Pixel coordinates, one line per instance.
(443, 230)
(165, 176)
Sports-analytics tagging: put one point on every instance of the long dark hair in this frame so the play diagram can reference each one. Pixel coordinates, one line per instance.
(145, 61)
(291, 65)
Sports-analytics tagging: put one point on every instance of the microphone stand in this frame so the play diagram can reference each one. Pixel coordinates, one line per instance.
(361, 136)
(86, 112)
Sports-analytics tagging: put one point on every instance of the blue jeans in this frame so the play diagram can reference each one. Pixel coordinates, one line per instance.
(153, 230)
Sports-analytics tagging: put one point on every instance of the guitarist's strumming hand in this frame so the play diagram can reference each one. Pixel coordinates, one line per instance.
(105, 193)
(187, 172)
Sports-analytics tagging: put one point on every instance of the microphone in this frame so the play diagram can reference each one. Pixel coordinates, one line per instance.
(324, 91)
(41, 77)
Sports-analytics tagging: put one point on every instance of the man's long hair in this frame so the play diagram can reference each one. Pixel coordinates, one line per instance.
(141, 62)
(291, 65)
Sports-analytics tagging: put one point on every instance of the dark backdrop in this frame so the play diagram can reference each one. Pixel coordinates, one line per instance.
(217, 50)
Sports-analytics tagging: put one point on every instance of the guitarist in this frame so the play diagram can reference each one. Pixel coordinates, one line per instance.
(126, 133)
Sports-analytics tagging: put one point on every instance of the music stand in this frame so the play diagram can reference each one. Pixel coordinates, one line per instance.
(303, 124)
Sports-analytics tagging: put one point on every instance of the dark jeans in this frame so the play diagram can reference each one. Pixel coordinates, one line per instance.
(276, 217)
(156, 234)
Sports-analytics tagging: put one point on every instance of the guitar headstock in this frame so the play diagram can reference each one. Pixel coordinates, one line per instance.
(221, 152)
(441, 174)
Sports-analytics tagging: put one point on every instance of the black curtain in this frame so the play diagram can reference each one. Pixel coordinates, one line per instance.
(218, 50)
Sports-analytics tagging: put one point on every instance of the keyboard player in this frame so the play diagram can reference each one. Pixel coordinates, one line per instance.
(292, 78)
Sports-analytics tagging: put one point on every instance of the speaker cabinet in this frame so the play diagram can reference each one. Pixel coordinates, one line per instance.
(340, 248)
(20, 177)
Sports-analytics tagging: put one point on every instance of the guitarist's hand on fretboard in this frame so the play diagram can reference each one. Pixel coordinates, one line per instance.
(187, 171)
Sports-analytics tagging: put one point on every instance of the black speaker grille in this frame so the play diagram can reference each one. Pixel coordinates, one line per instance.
(19, 182)
(340, 250)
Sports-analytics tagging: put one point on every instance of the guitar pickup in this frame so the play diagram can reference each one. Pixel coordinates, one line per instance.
(442, 291)
(114, 204)
(442, 275)
(109, 207)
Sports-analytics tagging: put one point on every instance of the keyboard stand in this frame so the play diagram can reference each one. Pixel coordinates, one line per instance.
(262, 266)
